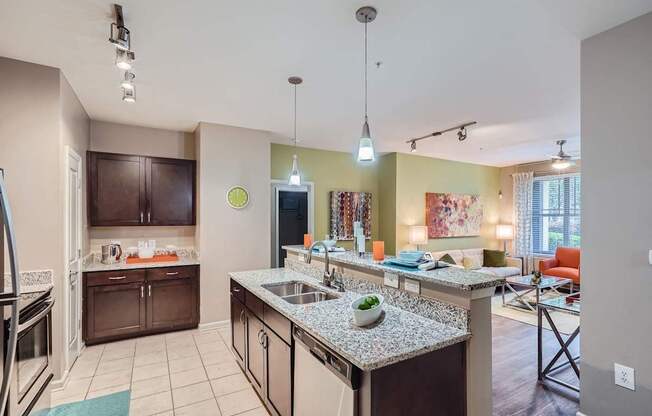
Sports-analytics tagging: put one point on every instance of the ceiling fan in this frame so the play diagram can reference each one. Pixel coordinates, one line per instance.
(562, 160)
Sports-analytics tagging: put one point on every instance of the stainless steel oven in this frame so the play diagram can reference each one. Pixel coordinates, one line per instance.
(29, 392)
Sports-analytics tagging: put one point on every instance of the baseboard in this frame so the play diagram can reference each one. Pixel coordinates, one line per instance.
(60, 383)
(213, 325)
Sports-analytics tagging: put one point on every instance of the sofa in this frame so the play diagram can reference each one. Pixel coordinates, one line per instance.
(566, 264)
(514, 265)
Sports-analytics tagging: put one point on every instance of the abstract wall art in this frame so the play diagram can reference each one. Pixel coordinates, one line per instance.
(453, 215)
(346, 208)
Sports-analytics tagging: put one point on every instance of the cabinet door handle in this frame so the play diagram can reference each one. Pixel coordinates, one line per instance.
(171, 273)
(260, 339)
(242, 317)
(149, 217)
(117, 277)
(265, 340)
(141, 217)
(149, 290)
(142, 292)
(236, 290)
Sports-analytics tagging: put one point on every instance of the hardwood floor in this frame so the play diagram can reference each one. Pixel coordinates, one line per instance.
(515, 388)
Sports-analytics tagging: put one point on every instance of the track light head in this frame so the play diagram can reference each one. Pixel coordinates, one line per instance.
(128, 81)
(124, 59)
(413, 146)
(129, 95)
(461, 135)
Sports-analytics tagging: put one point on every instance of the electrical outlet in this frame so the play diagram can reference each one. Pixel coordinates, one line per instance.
(412, 286)
(624, 376)
(391, 280)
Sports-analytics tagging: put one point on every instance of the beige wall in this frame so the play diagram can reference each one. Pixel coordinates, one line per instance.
(40, 115)
(416, 175)
(122, 138)
(616, 122)
(230, 239)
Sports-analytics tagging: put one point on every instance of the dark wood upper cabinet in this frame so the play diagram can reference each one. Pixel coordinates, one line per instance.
(170, 191)
(116, 189)
(139, 190)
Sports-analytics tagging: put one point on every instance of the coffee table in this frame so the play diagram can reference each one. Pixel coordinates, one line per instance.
(550, 283)
(559, 304)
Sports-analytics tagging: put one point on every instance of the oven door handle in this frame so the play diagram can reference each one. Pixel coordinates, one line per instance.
(35, 319)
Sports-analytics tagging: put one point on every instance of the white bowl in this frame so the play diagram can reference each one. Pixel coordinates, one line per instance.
(369, 316)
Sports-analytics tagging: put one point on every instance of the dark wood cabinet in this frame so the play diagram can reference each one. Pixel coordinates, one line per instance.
(140, 190)
(255, 358)
(116, 186)
(278, 373)
(115, 310)
(261, 337)
(238, 330)
(126, 303)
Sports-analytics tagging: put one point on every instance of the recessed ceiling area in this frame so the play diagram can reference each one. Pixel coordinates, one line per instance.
(511, 65)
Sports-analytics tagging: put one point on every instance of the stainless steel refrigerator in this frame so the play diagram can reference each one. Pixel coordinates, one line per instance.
(8, 298)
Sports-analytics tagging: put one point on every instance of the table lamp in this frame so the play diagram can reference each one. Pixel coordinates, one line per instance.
(418, 235)
(505, 232)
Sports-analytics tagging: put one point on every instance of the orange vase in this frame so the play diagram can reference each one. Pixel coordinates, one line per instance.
(307, 240)
(379, 250)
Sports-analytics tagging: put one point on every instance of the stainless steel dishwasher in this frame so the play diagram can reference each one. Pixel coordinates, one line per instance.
(325, 384)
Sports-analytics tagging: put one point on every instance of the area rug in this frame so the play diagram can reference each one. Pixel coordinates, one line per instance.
(565, 322)
(116, 404)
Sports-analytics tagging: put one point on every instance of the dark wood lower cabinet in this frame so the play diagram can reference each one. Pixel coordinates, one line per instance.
(115, 310)
(128, 303)
(238, 330)
(255, 360)
(278, 374)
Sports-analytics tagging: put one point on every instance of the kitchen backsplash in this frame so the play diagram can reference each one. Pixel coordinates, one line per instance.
(32, 281)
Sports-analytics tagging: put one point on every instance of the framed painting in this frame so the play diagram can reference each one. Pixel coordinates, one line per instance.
(346, 208)
(453, 215)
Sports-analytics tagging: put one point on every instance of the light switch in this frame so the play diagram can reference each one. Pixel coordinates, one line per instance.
(391, 280)
(649, 256)
(624, 376)
(412, 286)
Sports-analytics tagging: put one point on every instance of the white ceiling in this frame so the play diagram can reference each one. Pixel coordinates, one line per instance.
(512, 65)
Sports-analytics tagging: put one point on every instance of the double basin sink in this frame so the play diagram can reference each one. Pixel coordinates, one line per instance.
(299, 293)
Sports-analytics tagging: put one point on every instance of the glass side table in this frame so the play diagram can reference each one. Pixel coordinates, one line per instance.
(562, 305)
(520, 300)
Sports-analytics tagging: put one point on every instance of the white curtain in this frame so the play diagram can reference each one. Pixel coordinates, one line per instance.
(523, 189)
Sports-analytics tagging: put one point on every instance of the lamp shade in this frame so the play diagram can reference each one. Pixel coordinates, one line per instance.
(504, 232)
(418, 234)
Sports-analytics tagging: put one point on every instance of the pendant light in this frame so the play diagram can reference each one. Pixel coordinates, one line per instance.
(295, 176)
(365, 146)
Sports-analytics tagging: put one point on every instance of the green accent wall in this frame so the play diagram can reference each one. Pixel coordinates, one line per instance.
(329, 171)
(416, 175)
(398, 183)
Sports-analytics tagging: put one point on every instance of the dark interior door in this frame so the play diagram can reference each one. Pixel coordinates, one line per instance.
(292, 220)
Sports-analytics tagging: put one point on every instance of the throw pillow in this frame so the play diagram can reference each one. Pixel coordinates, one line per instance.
(471, 263)
(494, 258)
(446, 258)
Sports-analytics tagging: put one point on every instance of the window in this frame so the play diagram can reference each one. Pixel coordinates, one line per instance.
(555, 213)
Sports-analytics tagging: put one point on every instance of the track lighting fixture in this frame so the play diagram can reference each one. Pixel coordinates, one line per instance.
(124, 59)
(120, 36)
(461, 134)
(129, 95)
(128, 81)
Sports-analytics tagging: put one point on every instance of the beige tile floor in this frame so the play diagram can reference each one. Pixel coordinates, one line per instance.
(180, 373)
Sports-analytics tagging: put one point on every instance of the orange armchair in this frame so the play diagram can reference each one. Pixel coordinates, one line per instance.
(566, 264)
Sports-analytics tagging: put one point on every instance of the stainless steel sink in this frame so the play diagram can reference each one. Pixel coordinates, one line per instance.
(309, 298)
(299, 293)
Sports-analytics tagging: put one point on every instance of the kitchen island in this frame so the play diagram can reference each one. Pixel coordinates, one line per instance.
(452, 296)
(404, 364)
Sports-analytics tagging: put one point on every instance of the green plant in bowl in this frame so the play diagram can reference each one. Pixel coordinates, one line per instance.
(369, 302)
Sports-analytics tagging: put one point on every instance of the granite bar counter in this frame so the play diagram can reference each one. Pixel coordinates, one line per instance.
(398, 336)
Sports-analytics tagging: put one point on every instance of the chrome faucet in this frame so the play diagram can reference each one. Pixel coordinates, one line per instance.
(330, 276)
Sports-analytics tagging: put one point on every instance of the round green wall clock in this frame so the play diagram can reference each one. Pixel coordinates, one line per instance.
(237, 197)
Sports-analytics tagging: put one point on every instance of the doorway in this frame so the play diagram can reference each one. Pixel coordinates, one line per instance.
(73, 245)
(292, 217)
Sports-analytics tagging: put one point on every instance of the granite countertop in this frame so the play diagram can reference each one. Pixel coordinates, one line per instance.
(450, 276)
(398, 336)
(96, 266)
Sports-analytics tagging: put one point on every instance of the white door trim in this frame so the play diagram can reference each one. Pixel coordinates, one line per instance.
(70, 153)
(282, 185)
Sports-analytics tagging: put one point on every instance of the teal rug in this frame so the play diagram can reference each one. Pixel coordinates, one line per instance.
(116, 404)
